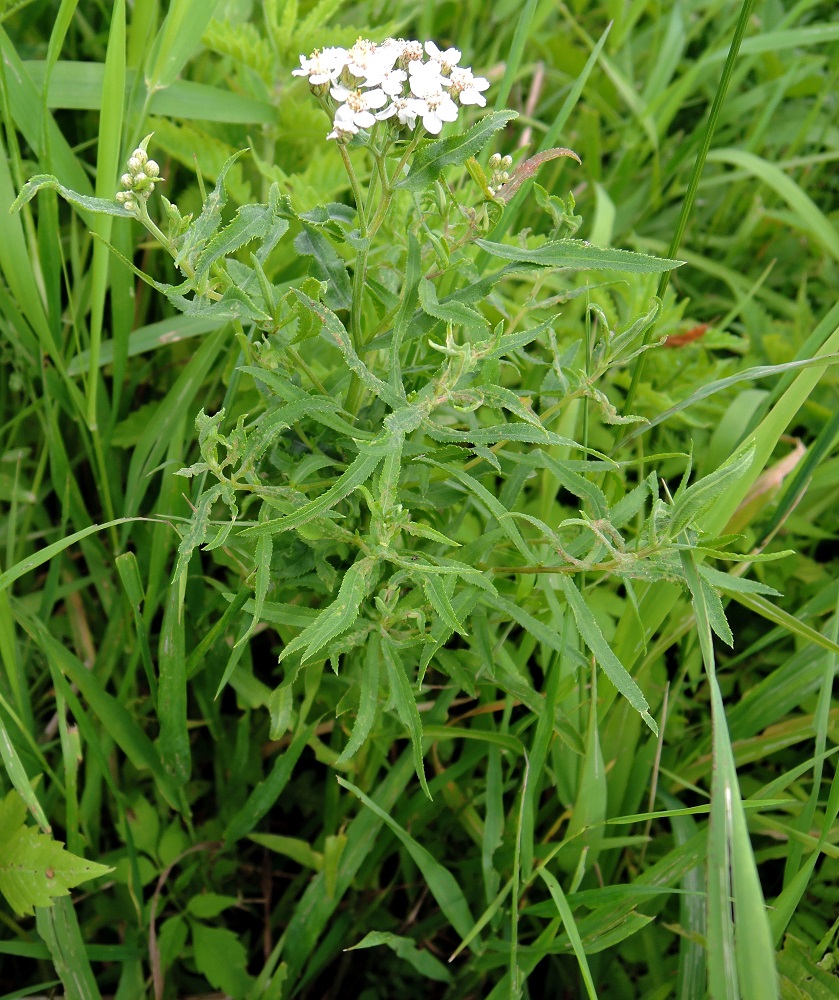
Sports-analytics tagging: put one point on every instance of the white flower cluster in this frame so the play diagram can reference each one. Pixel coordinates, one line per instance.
(393, 80)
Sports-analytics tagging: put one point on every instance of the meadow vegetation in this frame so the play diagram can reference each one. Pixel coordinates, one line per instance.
(419, 570)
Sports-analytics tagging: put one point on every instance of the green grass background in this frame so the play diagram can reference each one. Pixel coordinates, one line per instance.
(551, 870)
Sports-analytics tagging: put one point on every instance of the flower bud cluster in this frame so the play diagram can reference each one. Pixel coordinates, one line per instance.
(391, 81)
(139, 180)
(500, 166)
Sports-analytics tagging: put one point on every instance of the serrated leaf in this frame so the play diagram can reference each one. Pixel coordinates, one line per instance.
(690, 505)
(608, 661)
(368, 700)
(221, 958)
(579, 255)
(251, 222)
(406, 706)
(101, 206)
(358, 473)
(34, 868)
(340, 335)
(339, 616)
(196, 237)
(329, 266)
(454, 313)
(439, 599)
(429, 162)
(405, 948)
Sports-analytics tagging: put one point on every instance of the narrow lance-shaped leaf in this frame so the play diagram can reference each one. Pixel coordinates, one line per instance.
(695, 500)
(83, 201)
(406, 706)
(338, 617)
(368, 700)
(594, 639)
(339, 334)
(429, 162)
(579, 255)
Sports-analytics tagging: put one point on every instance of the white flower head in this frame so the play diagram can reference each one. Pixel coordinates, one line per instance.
(392, 82)
(435, 108)
(466, 87)
(447, 60)
(410, 52)
(405, 109)
(354, 110)
(369, 62)
(425, 78)
(323, 66)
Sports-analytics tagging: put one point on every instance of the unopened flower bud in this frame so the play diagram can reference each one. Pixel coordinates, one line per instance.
(495, 161)
(130, 205)
(140, 179)
(152, 168)
(506, 162)
(141, 155)
(123, 196)
(127, 180)
(134, 163)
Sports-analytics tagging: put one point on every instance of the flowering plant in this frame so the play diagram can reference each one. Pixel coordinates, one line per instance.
(374, 490)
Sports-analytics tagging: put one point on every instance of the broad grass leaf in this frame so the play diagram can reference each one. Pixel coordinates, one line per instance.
(290, 847)
(567, 917)
(580, 256)
(429, 162)
(174, 742)
(58, 927)
(405, 701)
(738, 925)
(441, 883)
(115, 718)
(606, 658)
(34, 868)
(265, 794)
(422, 961)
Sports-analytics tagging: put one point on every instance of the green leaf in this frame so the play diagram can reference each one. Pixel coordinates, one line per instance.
(251, 222)
(368, 701)
(340, 335)
(405, 948)
(440, 881)
(689, 505)
(221, 958)
(34, 868)
(339, 616)
(196, 238)
(329, 266)
(581, 256)
(429, 162)
(453, 313)
(593, 638)
(358, 473)
(83, 201)
(406, 705)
